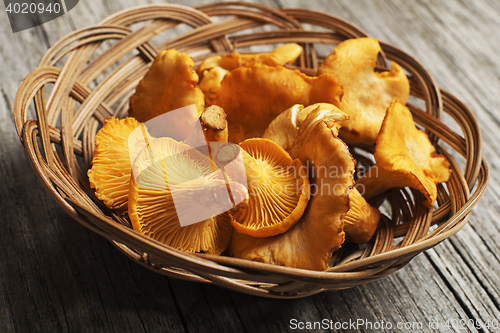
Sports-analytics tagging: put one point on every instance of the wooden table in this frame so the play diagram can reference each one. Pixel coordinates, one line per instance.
(56, 276)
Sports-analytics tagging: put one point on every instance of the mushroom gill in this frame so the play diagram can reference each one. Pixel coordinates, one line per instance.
(176, 199)
(116, 145)
(278, 190)
(281, 55)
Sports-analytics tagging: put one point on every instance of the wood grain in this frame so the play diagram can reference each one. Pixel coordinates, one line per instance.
(55, 276)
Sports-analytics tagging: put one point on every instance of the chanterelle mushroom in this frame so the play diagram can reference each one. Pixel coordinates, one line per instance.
(309, 244)
(362, 219)
(404, 157)
(367, 94)
(289, 124)
(253, 96)
(281, 55)
(175, 198)
(278, 188)
(215, 130)
(116, 144)
(169, 84)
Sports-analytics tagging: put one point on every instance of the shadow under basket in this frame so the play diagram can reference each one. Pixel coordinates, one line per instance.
(90, 75)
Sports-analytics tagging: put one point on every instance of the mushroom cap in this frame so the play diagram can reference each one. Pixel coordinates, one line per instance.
(288, 125)
(309, 244)
(169, 84)
(116, 144)
(213, 69)
(362, 219)
(278, 188)
(281, 55)
(253, 96)
(406, 155)
(173, 183)
(367, 94)
(210, 84)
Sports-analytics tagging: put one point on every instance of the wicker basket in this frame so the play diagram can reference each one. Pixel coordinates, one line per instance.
(91, 74)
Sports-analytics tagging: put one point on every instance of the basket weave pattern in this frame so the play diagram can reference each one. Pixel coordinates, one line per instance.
(90, 75)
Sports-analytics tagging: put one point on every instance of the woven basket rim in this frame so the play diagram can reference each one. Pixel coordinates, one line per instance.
(65, 183)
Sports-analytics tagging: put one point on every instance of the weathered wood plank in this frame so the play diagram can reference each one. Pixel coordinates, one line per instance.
(391, 300)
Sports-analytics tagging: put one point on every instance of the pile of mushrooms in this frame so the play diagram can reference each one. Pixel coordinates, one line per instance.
(250, 158)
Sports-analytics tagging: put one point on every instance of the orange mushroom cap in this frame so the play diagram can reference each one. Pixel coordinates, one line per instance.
(286, 128)
(169, 84)
(213, 69)
(281, 55)
(278, 188)
(367, 94)
(253, 96)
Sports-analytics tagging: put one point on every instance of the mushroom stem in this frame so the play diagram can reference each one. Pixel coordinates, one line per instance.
(361, 220)
(213, 121)
(230, 159)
